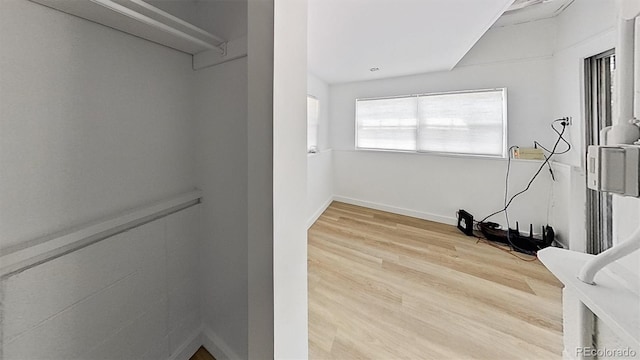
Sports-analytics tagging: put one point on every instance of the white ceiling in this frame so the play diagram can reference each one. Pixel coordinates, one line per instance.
(538, 9)
(401, 37)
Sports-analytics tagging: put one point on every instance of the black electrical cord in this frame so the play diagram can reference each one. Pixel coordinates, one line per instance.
(564, 122)
(506, 183)
(546, 161)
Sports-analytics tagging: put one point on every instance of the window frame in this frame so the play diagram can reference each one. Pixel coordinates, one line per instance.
(505, 131)
(317, 125)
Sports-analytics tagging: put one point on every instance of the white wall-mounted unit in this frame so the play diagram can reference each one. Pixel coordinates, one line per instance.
(614, 169)
(143, 20)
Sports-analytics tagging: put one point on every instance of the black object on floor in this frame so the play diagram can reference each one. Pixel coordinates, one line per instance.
(527, 244)
(465, 222)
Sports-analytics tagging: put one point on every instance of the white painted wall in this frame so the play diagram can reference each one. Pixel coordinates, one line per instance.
(320, 179)
(131, 296)
(585, 29)
(234, 112)
(221, 158)
(182, 234)
(262, 251)
(320, 164)
(561, 198)
(289, 179)
(626, 210)
(585, 20)
(234, 103)
(532, 40)
(435, 187)
(92, 122)
(528, 83)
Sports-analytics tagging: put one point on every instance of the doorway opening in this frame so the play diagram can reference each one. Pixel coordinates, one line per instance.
(599, 98)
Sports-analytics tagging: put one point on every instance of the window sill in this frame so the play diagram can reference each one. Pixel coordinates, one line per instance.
(436, 154)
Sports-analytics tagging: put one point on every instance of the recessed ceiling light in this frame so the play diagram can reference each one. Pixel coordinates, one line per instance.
(374, 69)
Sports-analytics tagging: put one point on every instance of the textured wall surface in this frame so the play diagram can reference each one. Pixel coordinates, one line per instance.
(134, 295)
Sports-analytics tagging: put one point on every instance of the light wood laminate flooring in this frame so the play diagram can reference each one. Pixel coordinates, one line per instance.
(202, 354)
(385, 286)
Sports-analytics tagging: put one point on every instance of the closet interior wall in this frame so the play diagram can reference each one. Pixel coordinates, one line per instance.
(94, 122)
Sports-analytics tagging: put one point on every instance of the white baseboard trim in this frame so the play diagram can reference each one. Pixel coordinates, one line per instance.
(319, 212)
(216, 346)
(189, 347)
(397, 210)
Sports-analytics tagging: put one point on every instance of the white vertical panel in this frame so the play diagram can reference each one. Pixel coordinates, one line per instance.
(624, 76)
(289, 191)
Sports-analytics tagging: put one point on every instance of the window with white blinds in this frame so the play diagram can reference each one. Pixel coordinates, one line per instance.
(313, 106)
(466, 122)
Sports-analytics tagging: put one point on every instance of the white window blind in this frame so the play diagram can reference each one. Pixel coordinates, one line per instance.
(312, 124)
(469, 122)
(390, 124)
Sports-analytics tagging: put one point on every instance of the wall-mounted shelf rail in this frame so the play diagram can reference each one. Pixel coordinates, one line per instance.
(143, 20)
(25, 255)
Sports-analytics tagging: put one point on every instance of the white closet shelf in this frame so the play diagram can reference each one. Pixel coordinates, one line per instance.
(615, 297)
(143, 20)
(27, 254)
